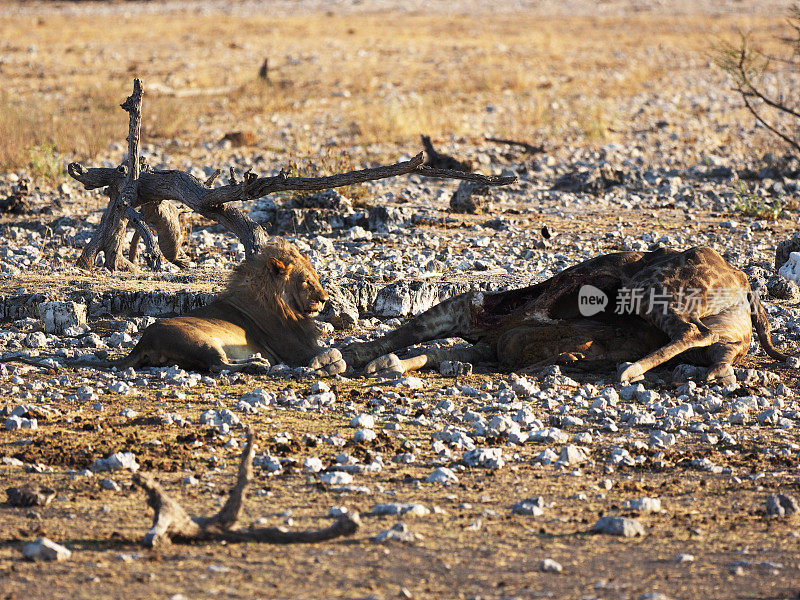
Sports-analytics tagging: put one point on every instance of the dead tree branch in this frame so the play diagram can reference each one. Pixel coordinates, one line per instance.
(171, 523)
(109, 235)
(152, 191)
(492, 180)
(524, 145)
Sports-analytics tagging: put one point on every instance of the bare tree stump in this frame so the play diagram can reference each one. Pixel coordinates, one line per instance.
(171, 523)
(110, 234)
(443, 161)
(164, 217)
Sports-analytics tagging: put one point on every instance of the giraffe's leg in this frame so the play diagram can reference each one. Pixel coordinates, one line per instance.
(255, 365)
(390, 365)
(450, 318)
(722, 356)
(564, 359)
(734, 329)
(684, 335)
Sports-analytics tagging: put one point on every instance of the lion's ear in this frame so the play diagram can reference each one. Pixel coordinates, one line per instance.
(277, 267)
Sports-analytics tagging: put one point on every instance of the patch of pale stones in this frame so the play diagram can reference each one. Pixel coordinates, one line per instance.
(381, 267)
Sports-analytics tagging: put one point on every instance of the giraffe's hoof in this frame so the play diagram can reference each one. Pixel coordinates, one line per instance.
(721, 374)
(388, 366)
(630, 372)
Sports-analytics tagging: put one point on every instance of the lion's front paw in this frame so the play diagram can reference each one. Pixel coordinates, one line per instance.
(388, 366)
(329, 362)
(255, 365)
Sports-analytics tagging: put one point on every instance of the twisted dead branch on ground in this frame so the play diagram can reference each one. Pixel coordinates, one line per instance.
(171, 523)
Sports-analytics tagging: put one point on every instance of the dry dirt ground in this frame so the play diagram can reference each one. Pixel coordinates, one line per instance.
(367, 79)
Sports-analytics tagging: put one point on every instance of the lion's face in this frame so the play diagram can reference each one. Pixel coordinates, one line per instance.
(303, 291)
(280, 278)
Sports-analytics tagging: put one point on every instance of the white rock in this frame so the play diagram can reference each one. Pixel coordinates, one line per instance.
(622, 526)
(364, 435)
(546, 457)
(571, 455)
(257, 398)
(16, 422)
(405, 458)
(338, 511)
(128, 413)
(442, 475)
(628, 392)
(44, 549)
(336, 478)
(398, 533)
(118, 460)
(645, 505)
(791, 268)
(219, 417)
(312, 464)
(110, 484)
(269, 463)
(363, 421)
(119, 387)
(532, 507)
(661, 439)
(491, 458)
(412, 383)
(37, 339)
(400, 508)
(548, 565)
(548, 436)
(59, 316)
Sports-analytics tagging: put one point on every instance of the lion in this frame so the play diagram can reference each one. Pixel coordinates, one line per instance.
(693, 305)
(265, 316)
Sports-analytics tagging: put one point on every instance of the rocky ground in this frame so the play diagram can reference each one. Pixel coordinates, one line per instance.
(490, 485)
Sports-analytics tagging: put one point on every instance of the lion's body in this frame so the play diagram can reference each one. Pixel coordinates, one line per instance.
(209, 338)
(267, 310)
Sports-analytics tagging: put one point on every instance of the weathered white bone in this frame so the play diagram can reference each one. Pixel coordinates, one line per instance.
(791, 268)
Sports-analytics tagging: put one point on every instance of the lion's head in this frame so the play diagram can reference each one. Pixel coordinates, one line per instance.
(280, 277)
